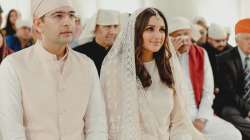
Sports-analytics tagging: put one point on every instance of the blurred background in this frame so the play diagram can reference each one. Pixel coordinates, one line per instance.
(224, 12)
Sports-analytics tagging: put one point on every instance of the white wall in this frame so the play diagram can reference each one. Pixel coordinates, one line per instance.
(120, 5)
(244, 8)
(23, 6)
(224, 12)
(85, 8)
(172, 8)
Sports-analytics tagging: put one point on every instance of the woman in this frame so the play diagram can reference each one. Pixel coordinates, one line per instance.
(4, 50)
(142, 84)
(10, 27)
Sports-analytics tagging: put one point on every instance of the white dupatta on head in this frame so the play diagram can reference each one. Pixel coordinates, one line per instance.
(121, 88)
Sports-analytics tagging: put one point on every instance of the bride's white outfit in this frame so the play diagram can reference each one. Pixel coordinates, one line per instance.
(137, 113)
(164, 106)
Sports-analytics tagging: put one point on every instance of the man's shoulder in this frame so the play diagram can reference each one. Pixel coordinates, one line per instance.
(13, 42)
(207, 46)
(198, 47)
(228, 54)
(83, 47)
(22, 53)
(10, 38)
(81, 57)
(21, 58)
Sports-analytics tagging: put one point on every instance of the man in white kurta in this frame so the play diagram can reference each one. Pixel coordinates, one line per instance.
(202, 115)
(49, 91)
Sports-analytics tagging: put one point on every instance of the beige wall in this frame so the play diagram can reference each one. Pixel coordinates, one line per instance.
(185, 8)
(244, 8)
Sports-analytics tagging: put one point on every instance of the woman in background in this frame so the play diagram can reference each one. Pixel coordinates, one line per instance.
(10, 27)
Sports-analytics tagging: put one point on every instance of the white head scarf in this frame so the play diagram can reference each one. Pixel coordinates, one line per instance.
(216, 31)
(178, 23)
(23, 23)
(41, 7)
(103, 17)
(122, 89)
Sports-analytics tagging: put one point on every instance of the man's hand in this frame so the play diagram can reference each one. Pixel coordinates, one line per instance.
(199, 124)
(216, 91)
(177, 42)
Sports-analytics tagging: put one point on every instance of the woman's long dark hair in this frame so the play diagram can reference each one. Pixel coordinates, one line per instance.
(161, 57)
(9, 30)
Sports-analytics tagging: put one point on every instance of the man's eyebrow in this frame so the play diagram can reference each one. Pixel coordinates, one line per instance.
(62, 12)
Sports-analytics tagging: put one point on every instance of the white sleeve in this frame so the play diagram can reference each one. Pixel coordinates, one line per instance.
(205, 109)
(11, 112)
(95, 118)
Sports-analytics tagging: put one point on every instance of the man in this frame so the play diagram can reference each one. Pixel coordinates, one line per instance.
(216, 44)
(23, 37)
(99, 36)
(48, 91)
(233, 102)
(199, 80)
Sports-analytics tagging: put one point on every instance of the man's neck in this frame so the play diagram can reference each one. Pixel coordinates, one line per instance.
(101, 44)
(57, 49)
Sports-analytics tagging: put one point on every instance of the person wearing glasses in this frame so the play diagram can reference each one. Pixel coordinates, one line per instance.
(48, 91)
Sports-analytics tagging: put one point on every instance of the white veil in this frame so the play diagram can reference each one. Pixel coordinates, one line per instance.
(121, 88)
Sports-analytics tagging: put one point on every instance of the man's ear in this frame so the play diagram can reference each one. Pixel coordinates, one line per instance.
(37, 22)
(97, 26)
(237, 38)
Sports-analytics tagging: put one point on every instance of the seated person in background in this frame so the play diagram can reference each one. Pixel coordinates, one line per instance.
(203, 29)
(10, 26)
(216, 44)
(200, 86)
(233, 102)
(23, 37)
(99, 35)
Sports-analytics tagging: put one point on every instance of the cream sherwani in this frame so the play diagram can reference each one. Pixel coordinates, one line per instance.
(42, 98)
(215, 128)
